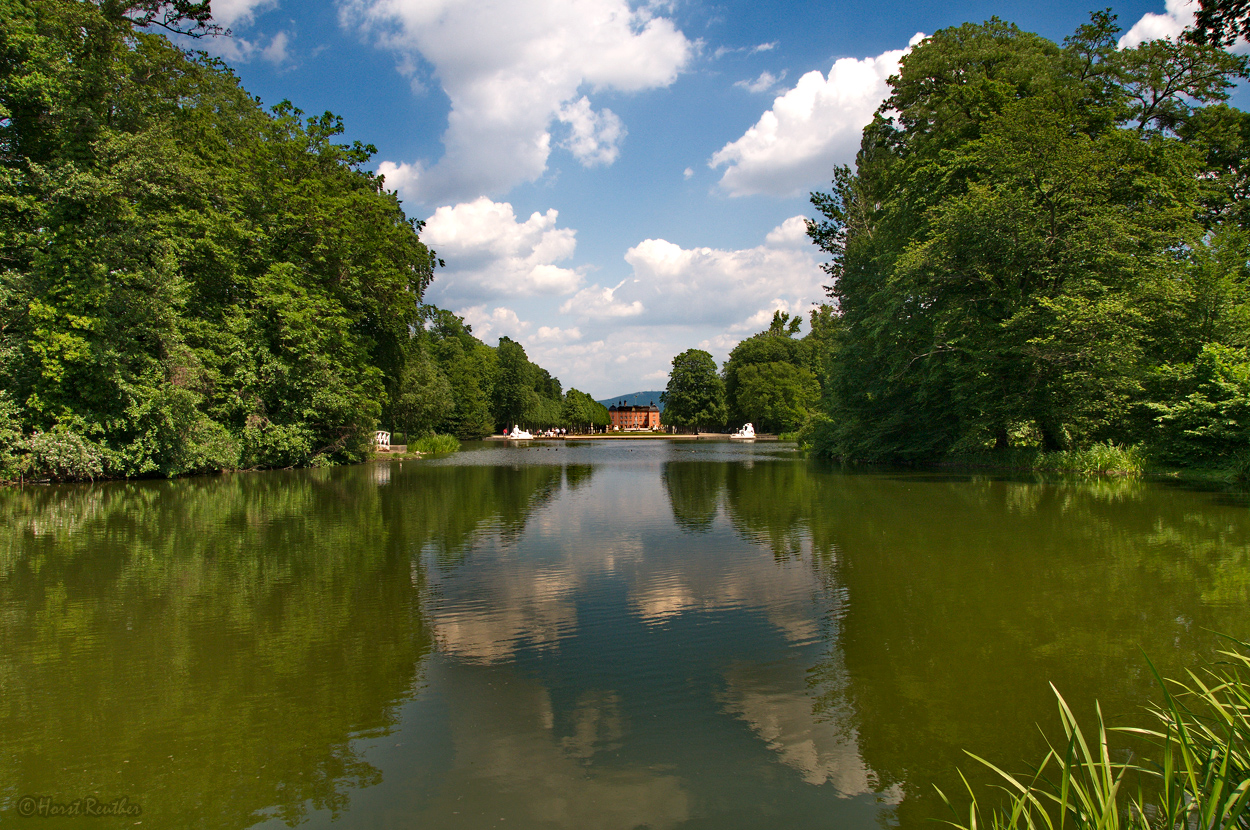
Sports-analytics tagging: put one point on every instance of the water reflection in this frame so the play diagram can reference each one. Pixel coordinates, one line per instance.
(215, 648)
(694, 491)
(587, 636)
(964, 599)
(535, 763)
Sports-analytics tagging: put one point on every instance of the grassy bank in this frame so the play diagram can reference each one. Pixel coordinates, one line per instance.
(1196, 765)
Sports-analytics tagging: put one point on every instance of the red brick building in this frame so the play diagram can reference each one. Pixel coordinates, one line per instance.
(634, 417)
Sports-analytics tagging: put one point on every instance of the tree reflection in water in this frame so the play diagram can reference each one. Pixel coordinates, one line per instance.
(581, 644)
(957, 600)
(212, 647)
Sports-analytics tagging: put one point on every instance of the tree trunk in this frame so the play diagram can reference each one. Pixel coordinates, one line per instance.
(1052, 440)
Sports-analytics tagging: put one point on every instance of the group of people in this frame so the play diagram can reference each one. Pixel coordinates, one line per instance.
(542, 433)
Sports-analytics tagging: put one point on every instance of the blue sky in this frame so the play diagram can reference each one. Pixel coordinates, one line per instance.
(611, 182)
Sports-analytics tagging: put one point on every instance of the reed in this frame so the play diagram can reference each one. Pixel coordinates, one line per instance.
(1198, 771)
(1106, 458)
(435, 444)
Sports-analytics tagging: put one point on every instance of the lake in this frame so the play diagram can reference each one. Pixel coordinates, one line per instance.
(612, 634)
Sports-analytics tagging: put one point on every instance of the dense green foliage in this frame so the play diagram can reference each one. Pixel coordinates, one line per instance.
(695, 395)
(190, 283)
(774, 379)
(1042, 246)
(524, 392)
(771, 378)
(582, 412)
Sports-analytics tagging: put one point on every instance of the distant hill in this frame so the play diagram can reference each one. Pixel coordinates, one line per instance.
(637, 399)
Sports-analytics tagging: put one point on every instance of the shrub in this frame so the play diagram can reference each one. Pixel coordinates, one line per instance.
(62, 456)
(1099, 459)
(268, 444)
(1239, 467)
(1207, 414)
(818, 435)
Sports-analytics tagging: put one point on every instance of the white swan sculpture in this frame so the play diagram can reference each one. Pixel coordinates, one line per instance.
(746, 433)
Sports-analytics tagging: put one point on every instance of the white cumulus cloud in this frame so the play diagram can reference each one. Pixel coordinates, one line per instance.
(490, 253)
(513, 69)
(596, 303)
(1177, 16)
(763, 83)
(790, 233)
(402, 177)
(489, 326)
(594, 137)
(809, 128)
(236, 49)
(233, 12)
(276, 51)
(672, 285)
(555, 334)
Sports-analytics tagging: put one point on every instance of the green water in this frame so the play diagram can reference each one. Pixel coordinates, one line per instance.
(616, 635)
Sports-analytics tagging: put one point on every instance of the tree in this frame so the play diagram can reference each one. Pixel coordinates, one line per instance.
(424, 396)
(514, 390)
(1163, 79)
(773, 347)
(777, 397)
(580, 411)
(1221, 22)
(470, 367)
(1008, 258)
(184, 17)
(190, 282)
(695, 395)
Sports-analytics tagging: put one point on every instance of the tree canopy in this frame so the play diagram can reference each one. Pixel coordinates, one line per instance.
(1221, 22)
(769, 380)
(695, 395)
(1032, 237)
(189, 282)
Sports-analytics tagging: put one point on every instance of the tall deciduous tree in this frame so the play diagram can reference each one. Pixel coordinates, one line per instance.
(1009, 258)
(581, 412)
(695, 395)
(514, 390)
(768, 380)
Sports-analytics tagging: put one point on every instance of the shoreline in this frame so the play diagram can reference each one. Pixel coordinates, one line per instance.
(645, 436)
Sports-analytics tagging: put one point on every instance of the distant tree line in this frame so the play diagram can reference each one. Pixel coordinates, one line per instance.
(189, 282)
(454, 383)
(773, 379)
